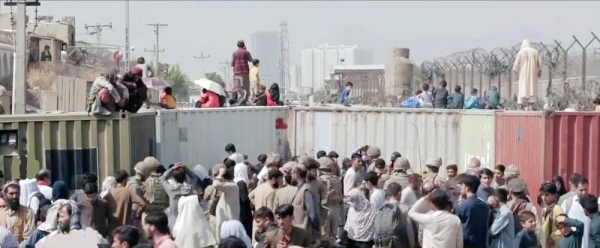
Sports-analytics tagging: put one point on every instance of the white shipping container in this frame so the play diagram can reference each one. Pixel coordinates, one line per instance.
(418, 134)
(199, 136)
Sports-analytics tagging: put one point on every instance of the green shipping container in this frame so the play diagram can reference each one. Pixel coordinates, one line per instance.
(477, 137)
(72, 144)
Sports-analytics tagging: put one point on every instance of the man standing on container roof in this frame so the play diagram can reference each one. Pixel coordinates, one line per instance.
(239, 61)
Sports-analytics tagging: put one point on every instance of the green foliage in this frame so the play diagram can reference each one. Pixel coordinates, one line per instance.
(175, 78)
(215, 77)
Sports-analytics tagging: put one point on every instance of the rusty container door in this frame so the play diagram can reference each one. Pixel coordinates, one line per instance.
(573, 146)
(520, 139)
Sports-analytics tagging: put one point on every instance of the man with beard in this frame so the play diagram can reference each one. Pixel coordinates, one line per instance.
(156, 227)
(305, 213)
(286, 194)
(20, 220)
(264, 194)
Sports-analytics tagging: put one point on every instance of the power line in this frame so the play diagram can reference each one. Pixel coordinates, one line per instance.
(156, 50)
(97, 30)
(226, 70)
(202, 58)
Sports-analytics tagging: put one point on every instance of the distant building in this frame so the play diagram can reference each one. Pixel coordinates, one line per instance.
(295, 78)
(265, 47)
(317, 63)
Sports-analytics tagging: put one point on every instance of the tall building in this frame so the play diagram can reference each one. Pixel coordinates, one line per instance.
(296, 78)
(265, 47)
(317, 63)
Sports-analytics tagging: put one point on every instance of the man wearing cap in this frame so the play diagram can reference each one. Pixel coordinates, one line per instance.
(381, 172)
(239, 61)
(519, 202)
(400, 175)
(19, 219)
(433, 167)
(336, 168)
(373, 153)
(474, 166)
(550, 235)
(142, 170)
(331, 202)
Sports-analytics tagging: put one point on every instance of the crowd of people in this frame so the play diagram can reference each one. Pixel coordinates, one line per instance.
(321, 201)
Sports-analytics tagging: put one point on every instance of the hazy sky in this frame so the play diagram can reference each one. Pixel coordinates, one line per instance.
(428, 28)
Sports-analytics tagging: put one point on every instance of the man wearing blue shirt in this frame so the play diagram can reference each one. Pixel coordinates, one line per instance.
(344, 97)
(473, 213)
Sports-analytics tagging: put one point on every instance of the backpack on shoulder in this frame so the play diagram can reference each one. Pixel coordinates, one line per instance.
(387, 220)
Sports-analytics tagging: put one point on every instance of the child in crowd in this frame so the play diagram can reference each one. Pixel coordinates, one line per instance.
(526, 237)
(570, 239)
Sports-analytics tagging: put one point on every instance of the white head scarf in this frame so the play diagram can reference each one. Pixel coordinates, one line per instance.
(240, 173)
(191, 228)
(525, 44)
(235, 228)
(28, 188)
(108, 185)
(361, 216)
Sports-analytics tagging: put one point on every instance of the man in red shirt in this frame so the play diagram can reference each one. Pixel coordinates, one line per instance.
(239, 61)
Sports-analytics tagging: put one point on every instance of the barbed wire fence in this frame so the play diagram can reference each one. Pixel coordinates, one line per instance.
(570, 73)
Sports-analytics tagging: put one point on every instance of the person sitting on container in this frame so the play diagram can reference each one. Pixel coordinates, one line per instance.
(260, 99)
(138, 92)
(345, 96)
(273, 95)
(167, 100)
(473, 101)
(240, 96)
(104, 95)
(209, 99)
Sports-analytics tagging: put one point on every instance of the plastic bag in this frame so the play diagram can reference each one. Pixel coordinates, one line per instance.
(412, 102)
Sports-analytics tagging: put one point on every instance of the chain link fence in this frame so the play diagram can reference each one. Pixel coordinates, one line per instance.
(570, 72)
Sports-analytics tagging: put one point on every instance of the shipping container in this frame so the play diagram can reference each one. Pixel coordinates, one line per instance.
(72, 144)
(199, 136)
(477, 138)
(418, 134)
(545, 144)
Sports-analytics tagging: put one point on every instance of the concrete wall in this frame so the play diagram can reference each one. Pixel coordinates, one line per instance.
(398, 72)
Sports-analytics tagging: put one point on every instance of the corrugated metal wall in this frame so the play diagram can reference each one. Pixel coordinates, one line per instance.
(72, 93)
(477, 137)
(520, 138)
(199, 136)
(573, 146)
(72, 144)
(417, 134)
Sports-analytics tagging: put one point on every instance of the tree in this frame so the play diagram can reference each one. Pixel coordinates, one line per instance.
(175, 78)
(213, 76)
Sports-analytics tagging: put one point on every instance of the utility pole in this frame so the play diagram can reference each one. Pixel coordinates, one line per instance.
(97, 30)
(226, 66)
(202, 58)
(156, 51)
(20, 54)
(127, 45)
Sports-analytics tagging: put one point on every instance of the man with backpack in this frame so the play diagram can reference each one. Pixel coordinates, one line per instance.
(332, 200)
(393, 227)
(519, 202)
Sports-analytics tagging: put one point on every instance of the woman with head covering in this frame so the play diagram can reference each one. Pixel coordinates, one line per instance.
(242, 180)
(108, 185)
(104, 94)
(360, 220)
(191, 227)
(234, 228)
(59, 191)
(30, 194)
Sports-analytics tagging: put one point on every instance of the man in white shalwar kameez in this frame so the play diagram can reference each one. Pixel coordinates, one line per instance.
(528, 69)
